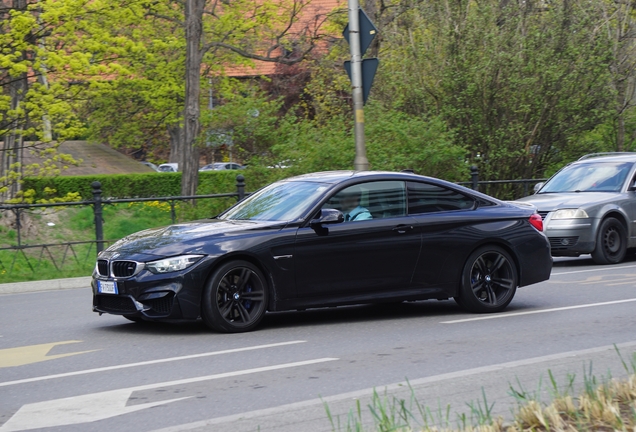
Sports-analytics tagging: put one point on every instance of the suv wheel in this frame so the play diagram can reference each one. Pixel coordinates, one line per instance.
(611, 242)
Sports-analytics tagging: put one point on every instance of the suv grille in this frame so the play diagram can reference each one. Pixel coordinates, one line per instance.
(124, 268)
(543, 214)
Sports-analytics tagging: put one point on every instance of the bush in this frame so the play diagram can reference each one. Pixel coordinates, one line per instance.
(144, 185)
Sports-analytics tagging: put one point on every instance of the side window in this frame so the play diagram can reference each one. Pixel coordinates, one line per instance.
(372, 200)
(429, 198)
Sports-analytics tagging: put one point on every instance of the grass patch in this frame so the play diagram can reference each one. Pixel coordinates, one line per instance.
(602, 405)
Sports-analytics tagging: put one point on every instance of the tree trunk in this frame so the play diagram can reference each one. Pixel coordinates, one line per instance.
(175, 140)
(189, 158)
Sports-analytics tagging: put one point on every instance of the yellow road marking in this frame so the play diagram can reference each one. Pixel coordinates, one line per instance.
(33, 354)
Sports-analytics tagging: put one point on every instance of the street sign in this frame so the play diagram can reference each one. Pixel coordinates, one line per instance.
(367, 32)
(369, 67)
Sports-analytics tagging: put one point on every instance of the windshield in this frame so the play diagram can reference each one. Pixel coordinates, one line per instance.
(283, 201)
(590, 177)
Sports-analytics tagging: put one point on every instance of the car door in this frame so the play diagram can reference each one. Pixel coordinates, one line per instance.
(375, 252)
(443, 217)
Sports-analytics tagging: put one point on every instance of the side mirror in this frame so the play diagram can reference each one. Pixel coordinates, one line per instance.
(538, 186)
(327, 216)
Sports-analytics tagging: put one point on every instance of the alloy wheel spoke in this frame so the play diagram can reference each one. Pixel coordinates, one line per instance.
(480, 263)
(492, 296)
(477, 286)
(253, 296)
(498, 263)
(224, 285)
(503, 283)
(226, 308)
(245, 315)
(243, 278)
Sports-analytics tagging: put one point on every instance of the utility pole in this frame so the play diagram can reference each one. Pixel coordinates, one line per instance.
(360, 162)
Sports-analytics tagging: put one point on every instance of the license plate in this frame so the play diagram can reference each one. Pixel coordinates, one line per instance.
(107, 287)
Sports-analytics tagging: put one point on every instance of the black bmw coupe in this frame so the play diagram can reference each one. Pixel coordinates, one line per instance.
(327, 239)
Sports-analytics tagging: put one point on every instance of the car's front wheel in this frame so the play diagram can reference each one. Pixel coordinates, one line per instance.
(489, 280)
(234, 298)
(611, 242)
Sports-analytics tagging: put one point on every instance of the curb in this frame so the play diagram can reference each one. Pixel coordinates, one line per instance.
(45, 285)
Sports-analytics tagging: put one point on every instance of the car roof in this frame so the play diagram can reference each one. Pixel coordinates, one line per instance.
(607, 157)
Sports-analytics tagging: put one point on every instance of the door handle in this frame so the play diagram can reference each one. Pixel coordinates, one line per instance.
(403, 229)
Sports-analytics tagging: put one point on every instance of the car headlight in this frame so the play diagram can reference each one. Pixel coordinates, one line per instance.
(570, 214)
(172, 264)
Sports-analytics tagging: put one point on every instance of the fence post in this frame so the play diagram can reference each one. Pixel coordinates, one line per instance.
(474, 177)
(97, 212)
(240, 186)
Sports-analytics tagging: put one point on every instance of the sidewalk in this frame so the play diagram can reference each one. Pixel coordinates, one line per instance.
(45, 285)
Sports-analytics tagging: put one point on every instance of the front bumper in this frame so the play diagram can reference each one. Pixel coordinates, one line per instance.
(175, 295)
(570, 237)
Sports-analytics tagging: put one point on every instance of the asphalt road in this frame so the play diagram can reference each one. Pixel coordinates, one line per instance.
(64, 368)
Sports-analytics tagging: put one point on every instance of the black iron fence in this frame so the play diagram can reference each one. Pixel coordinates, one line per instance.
(59, 254)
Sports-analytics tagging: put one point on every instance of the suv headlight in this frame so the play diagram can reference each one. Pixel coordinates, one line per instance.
(177, 263)
(570, 214)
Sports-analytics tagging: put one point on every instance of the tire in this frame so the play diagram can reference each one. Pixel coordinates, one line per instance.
(489, 281)
(234, 298)
(611, 242)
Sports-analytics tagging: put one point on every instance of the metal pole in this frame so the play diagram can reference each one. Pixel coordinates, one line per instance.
(240, 186)
(360, 162)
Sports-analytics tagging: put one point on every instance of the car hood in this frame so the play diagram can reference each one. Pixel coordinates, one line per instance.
(182, 238)
(561, 200)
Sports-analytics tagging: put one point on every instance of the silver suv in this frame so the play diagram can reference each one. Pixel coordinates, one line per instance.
(589, 207)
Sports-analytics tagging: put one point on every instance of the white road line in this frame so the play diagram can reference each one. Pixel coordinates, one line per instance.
(99, 406)
(513, 314)
(594, 270)
(146, 363)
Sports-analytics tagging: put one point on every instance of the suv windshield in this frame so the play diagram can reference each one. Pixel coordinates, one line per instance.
(283, 201)
(589, 177)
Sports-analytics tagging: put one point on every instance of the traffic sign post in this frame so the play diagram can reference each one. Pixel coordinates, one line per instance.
(359, 33)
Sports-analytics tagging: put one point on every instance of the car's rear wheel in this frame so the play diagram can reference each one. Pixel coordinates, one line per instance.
(611, 242)
(489, 280)
(234, 298)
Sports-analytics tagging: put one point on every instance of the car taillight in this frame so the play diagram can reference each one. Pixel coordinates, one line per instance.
(536, 221)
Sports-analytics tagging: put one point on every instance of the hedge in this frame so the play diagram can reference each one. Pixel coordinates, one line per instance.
(148, 184)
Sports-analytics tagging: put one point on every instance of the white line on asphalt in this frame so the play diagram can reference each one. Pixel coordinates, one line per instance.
(513, 314)
(150, 362)
(99, 406)
(285, 410)
(594, 270)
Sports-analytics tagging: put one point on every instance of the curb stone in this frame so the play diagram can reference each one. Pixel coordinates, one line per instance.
(45, 285)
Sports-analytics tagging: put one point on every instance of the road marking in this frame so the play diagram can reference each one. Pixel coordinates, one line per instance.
(25, 355)
(279, 412)
(513, 314)
(594, 270)
(146, 363)
(103, 405)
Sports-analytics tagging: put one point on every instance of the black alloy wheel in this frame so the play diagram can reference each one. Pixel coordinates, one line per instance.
(611, 242)
(234, 298)
(489, 280)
